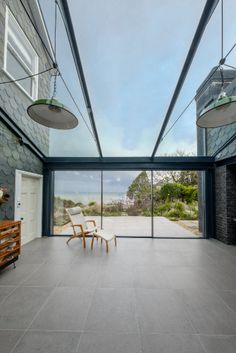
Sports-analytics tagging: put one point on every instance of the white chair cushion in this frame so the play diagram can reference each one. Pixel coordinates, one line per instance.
(76, 216)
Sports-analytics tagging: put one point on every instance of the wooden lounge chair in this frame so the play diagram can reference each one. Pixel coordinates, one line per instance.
(81, 227)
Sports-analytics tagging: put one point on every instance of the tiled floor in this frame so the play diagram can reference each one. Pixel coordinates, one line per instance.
(149, 296)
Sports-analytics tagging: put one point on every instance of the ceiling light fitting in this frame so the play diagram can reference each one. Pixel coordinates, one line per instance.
(49, 111)
(219, 113)
(223, 111)
(52, 113)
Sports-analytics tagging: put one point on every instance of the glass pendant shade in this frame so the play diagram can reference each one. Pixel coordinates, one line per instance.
(53, 114)
(221, 112)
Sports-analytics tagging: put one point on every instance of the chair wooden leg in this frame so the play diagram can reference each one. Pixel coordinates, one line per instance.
(92, 242)
(106, 246)
(71, 237)
(84, 241)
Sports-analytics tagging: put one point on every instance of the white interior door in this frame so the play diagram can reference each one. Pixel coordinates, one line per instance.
(29, 207)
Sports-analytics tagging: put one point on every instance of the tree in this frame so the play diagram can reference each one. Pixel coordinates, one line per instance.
(177, 191)
(185, 177)
(140, 191)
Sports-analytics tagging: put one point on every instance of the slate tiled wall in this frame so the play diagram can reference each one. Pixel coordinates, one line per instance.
(14, 102)
(12, 99)
(216, 137)
(14, 156)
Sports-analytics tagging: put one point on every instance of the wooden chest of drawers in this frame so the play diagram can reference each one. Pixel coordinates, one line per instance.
(10, 242)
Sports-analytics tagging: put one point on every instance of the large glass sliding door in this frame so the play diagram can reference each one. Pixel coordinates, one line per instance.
(178, 205)
(76, 188)
(161, 204)
(127, 203)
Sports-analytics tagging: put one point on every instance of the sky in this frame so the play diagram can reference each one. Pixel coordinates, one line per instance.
(90, 182)
(132, 52)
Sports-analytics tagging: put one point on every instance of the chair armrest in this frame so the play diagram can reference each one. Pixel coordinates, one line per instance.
(91, 221)
(78, 225)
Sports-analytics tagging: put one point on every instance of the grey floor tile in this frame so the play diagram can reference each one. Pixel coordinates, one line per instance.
(47, 275)
(161, 311)
(48, 342)
(229, 297)
(61, 257)
(219, 344)
(118, 276)
(8, 340)
(112, 310)
(14, 276)
(18, 310)
(5, 291)
(30, 257)
(66, 309)
(81, 275)
(221, 279)
(86, 256)
(162, 343)
(150, 276)
(197, 258)
(168, 258)
(185, 277)
(109, 343)
(208, 312)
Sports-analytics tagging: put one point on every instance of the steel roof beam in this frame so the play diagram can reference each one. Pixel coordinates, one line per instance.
(75, 52)
(129, 163)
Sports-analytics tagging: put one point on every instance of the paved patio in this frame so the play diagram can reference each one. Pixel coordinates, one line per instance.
(145, 296)
(141, 226)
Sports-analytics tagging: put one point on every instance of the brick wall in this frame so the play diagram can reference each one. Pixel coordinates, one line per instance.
(221, 203)
(225, 180)
(231, 204)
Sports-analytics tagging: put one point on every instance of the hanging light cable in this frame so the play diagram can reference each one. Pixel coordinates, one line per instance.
(223, 111)
(49, 111)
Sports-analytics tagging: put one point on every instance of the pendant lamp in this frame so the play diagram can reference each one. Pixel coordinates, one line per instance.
(219, 113)
(49, 111)
(52, 113)
(222, 111)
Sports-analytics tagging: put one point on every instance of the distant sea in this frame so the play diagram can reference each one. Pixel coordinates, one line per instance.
(87, 197)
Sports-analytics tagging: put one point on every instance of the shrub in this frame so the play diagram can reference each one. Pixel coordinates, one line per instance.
(147, 213)
(92, 203)
(175, 214)
(179, 206)
(133, 211)
(93, 210)
(177, 191)
(162, 209)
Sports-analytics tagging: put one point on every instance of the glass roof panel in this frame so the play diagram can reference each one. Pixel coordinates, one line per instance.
(78, 142)
(183, 136)
(132, 53)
